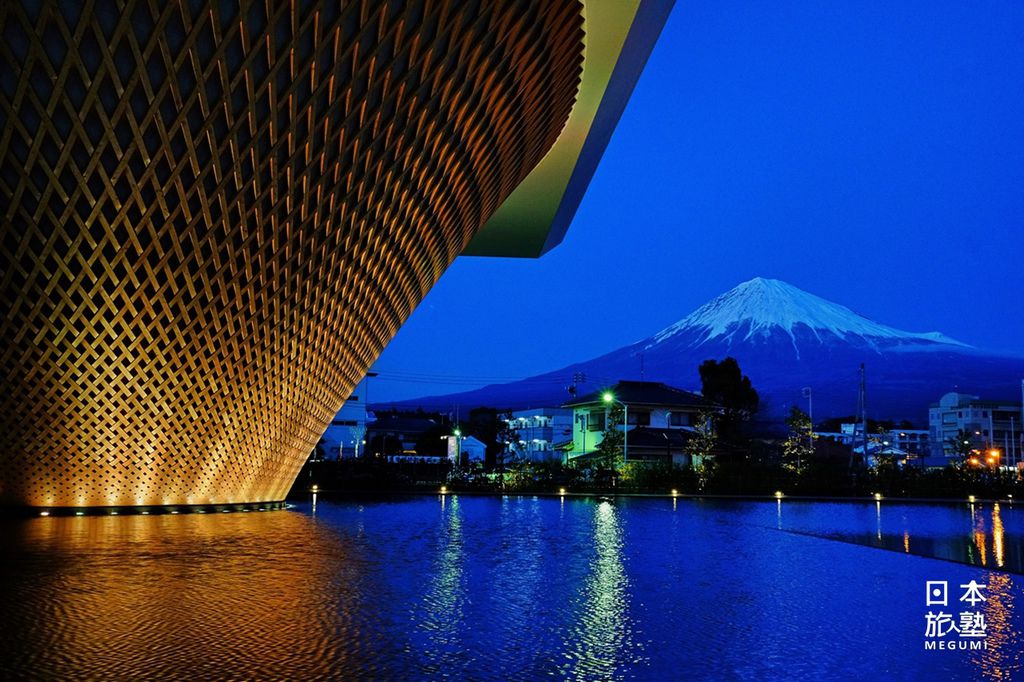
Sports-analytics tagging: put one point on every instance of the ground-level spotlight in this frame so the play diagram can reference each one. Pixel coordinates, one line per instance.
(971, 498)
(79, 513)
(561, 491)
(444, 490)
(779, 494)
(675, 492)
(44, 513)
(878, 496)
(314, 488)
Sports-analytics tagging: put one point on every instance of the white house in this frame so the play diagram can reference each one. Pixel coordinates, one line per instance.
(471, 449)
(539, 432)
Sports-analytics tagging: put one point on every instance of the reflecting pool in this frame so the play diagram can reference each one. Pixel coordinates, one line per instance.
(514, 587)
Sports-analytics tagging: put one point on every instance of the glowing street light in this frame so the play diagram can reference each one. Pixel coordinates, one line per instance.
(610, 398)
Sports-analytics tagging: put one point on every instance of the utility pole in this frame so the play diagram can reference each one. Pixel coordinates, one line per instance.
(809, 394)
(862, 412)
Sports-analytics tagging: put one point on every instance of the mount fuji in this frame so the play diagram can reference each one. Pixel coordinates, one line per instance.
(784, 339)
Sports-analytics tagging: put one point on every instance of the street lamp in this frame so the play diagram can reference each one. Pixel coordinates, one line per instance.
(458, 446)
(610, 398)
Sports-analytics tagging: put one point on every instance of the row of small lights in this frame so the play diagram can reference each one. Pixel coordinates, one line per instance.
(778, 494)
(146, 512)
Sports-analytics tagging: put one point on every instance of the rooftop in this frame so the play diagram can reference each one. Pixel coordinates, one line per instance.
(643, 393)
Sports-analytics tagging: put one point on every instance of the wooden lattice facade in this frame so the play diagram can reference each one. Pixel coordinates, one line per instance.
(217, 213)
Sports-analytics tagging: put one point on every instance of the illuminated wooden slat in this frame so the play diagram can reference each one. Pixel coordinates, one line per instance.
(213, 223)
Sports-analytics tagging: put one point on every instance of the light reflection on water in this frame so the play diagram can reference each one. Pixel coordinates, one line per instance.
(507, 587)
(179, 596)
(603, 640)
(973, 534)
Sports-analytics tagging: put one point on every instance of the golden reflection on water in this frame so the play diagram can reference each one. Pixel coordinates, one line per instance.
(184, 596)
(979, 537)
(997, 535)
(978, 521)
(1000, 660)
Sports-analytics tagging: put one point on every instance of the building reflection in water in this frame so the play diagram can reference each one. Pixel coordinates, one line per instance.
(997, 535)
(602, 638)
(183, 597)
(978, 521)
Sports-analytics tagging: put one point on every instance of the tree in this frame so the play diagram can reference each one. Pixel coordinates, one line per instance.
(507, 440)
(609, 452)
(383, 445)
(703, 440)
(796, 449)
(726, 386)
(433, 442)
(487, 425)
(885, 458)
(960, 445)
(700, 445)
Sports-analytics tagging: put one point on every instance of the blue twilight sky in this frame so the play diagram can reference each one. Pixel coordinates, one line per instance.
(871, 153)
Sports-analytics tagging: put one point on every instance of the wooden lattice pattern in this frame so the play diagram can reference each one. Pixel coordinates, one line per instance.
(217, 213)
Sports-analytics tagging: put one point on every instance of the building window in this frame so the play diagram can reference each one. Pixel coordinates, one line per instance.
(595, 420)
(639, 418)
(679, 419)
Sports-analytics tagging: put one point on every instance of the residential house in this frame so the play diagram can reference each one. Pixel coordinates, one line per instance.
(660, 420)
(396, 434)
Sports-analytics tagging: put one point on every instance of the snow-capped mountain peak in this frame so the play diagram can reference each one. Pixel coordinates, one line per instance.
(761, 307)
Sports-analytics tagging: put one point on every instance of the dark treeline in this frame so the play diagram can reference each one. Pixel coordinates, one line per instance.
(726, 478)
